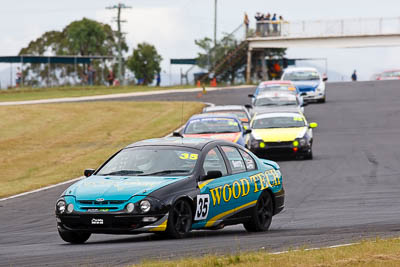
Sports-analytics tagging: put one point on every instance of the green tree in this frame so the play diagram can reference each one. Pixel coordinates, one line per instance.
(83, 38)
(145, 62)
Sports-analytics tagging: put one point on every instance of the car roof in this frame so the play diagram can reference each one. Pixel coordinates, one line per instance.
(278, 114)
(189, 142)
(208, 115)
(277, 82)
(223, 108)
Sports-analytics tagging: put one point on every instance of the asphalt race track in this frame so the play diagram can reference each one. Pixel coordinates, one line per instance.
(349, 191)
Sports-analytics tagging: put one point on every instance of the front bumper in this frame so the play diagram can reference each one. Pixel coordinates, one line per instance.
(109, 223)
(313, 96)
(280, 149)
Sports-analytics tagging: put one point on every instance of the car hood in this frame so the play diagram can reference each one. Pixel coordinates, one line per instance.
(231, 137)
(278, 134)
(301, 85)
(117, 187)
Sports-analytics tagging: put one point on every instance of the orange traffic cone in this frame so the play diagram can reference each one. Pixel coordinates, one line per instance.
(213, 82)
(198, 84)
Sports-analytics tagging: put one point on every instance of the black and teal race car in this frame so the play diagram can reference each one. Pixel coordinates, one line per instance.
(172, 185)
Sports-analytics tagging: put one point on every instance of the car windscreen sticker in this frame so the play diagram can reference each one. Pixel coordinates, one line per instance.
(297, 118)
(237, 164)
(191, 156)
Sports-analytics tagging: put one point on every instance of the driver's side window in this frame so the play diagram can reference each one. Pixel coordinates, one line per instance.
(214, 162)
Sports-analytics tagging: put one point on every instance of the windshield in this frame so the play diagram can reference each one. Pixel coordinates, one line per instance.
(276, 101)
(241, 114)
(302, 76)
(278, 122)
(212, 125)
(151, 161)
(391, 74)
(277, 87)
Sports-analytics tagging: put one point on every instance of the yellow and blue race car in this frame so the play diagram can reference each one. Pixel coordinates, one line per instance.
(281, 134)
(172, 185)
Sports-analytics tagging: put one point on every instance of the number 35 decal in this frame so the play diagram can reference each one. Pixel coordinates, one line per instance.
(203, 203)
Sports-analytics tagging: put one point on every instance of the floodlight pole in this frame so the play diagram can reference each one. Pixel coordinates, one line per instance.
(215, 22)
(119, 33)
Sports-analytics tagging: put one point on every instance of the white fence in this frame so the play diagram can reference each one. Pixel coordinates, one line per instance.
(328, 28)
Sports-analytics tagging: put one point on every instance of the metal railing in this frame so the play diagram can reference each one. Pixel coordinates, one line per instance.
(328, 28)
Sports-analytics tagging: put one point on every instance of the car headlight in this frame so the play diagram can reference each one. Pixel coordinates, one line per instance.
(257, 143)
(300, 142)
(70, 208)
(60, 206)
(145, 206)
(130, 207)
(321, 87)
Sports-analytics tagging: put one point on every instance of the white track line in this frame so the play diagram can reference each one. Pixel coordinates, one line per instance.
(309, 249)
(41, 189)
(113, 96)
(75, 179)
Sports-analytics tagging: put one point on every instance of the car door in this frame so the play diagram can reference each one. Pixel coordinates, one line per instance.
(215, 197)
(243, 168)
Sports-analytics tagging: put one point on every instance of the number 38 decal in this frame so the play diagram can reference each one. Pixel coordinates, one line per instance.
(203, 203)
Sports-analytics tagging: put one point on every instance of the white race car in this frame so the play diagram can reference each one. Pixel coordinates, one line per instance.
(309, 81)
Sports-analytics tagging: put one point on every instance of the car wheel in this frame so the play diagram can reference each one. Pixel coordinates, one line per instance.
(180, 219)
(73, 237)
(261, 214)
(322, 100)
(309, 155)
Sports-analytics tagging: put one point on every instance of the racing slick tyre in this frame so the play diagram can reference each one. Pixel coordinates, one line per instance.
(309, 155)
(322, 100)
(261, 214)
(73, 237)
(180, 219)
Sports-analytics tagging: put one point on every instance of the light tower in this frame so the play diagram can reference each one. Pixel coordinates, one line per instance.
(119, 34)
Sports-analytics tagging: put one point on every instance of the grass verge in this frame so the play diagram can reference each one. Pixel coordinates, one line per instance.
(26, 93)
(368, 253)
(46, 144)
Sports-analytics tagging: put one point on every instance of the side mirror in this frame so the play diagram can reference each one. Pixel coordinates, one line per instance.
(247, 131)
(212, 175)
(325, 79)
(251, 95)
(248, 106)
(313, 125)
(177, 134)
(88, 172)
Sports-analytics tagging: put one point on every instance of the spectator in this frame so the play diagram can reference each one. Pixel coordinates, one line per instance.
(280, 24)
(267, 18)
(277, 69)
(158, 79)
(246, 22)
(90, 75)
(110, 78)
(258, 18)
(18, 80)
(354, 76)
(275, 24)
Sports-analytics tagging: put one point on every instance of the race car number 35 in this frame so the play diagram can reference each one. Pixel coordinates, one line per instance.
(203, 203)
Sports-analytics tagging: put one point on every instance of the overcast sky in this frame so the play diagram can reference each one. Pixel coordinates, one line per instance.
(173, 25)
